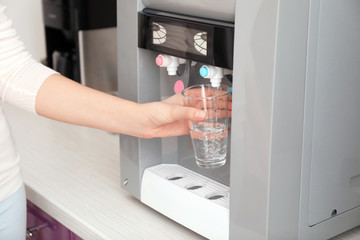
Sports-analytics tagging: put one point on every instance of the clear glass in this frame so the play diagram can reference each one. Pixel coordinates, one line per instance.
(209, 137)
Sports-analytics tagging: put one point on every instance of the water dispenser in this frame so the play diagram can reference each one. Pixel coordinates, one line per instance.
(292, 169)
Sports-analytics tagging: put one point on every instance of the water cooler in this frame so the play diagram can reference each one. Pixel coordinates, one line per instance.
(293, 166)
(81, 41)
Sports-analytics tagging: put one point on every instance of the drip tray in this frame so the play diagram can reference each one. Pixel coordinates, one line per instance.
(191, 199)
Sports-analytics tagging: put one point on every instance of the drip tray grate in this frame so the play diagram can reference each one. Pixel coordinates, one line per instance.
(189, 198)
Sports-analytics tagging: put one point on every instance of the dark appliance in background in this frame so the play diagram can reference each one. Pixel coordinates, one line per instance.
(75, 27)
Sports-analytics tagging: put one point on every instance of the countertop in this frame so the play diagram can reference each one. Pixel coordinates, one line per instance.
(73, 174)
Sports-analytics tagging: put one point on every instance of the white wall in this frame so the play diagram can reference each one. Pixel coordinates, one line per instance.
(28, 22)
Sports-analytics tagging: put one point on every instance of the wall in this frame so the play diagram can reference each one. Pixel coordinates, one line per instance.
(27, 19)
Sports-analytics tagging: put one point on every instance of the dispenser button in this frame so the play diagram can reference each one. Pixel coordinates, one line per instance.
(204, 71)
(178, 86)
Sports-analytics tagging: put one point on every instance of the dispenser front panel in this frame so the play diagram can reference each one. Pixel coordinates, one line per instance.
(197, 39)
(333, 107)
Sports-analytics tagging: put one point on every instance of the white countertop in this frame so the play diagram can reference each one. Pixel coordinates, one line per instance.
(73, 174)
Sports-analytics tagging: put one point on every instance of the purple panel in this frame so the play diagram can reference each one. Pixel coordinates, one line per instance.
(45, 227)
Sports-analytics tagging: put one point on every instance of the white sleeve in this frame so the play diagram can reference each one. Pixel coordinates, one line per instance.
(20, 75)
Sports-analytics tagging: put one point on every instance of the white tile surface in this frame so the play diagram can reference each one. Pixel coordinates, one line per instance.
(73, 173)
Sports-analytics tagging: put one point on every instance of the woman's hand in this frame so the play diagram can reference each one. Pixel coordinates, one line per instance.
(168, 118)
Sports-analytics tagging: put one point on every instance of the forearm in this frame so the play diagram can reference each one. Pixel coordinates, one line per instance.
(62, 99)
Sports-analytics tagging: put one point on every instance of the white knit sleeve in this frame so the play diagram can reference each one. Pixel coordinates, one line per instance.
(20, 75)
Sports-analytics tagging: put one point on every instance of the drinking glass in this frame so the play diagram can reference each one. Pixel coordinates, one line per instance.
(209, 136)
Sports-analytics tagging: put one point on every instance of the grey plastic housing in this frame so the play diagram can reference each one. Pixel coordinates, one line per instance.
(295, 115)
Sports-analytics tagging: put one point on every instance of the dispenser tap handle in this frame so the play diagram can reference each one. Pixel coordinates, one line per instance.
(170, 62)
(215, 74)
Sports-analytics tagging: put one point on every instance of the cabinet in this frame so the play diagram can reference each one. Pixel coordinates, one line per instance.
(41, 226)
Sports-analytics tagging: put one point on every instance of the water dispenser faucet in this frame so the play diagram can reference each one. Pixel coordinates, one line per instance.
(170, 62)
(215, 74)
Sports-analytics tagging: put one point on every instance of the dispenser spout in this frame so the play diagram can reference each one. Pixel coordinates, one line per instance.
(215, 74)
(170, 62)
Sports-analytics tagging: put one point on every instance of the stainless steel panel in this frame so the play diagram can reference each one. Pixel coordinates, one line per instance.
(98, 59)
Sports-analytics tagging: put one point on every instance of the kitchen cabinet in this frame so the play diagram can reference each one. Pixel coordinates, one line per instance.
(41, 226)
